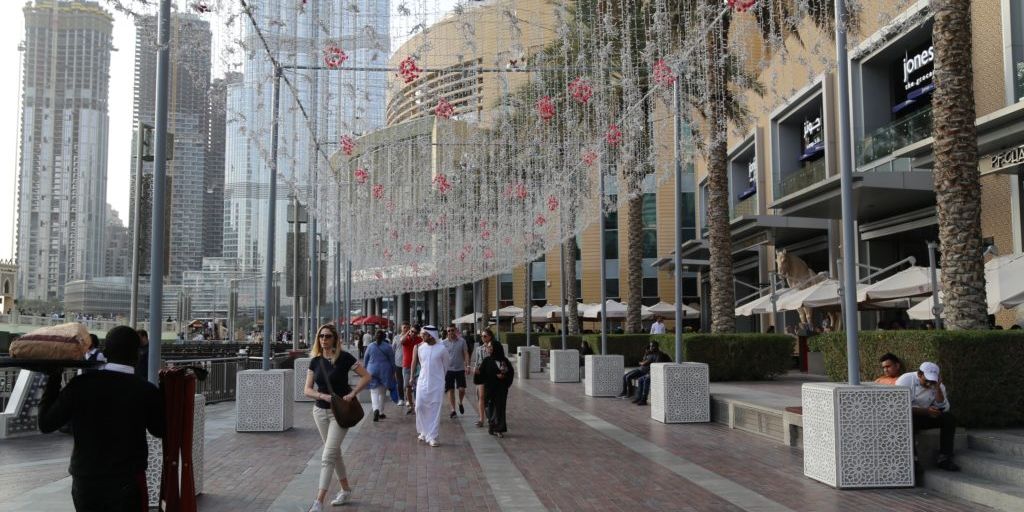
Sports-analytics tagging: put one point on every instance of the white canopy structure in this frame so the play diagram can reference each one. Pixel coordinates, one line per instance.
(613, 309)
(1004, 287)
(823, 294)
(668, 311)
(912, 282)
(508, 312)
(763, 305)
(471, 318)
(580, 308)
(540, 314)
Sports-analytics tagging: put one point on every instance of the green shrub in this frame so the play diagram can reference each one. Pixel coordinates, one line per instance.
(514, 340)
(729, 356)
(981, 369)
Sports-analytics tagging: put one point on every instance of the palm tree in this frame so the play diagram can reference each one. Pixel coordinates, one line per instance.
(957, 181)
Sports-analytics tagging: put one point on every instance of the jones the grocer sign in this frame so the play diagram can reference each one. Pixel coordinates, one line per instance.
(1004, 159)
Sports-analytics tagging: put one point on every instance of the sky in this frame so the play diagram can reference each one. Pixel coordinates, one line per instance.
(122, 69)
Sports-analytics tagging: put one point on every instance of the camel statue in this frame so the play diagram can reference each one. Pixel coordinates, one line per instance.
(799, 275)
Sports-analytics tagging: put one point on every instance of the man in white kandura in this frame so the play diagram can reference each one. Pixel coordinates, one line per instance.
(432, 358)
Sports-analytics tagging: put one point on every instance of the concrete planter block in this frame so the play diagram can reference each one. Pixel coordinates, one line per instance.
(301, 367)
(154, 464)
(680, 393)
(565, 365)
(534, 351)
(603, 375)
(858, 436)
(264, 400)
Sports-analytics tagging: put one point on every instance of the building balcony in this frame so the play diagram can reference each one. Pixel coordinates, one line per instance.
(744, 207)
(809, 174)
(893, 136)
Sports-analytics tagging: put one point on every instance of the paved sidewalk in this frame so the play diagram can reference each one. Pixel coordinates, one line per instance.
(564, 452)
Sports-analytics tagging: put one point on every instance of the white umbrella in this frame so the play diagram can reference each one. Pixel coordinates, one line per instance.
(508, 312)
(471, 318)
(540, 314)
(613, 309)
(825, 293)
(668, 311)
(923, 310)
(762, 305)
(1004, 287)
(580, 308)
(910, 282)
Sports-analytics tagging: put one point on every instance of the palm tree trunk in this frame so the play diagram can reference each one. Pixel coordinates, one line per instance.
(723, 298)
(634, 263)
(957, 181)
(572, 312)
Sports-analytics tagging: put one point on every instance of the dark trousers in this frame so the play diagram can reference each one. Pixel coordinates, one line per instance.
(643, 388)
(109, 494)
(946, 423)
(401, 384)
(632, 374)
(495, 400)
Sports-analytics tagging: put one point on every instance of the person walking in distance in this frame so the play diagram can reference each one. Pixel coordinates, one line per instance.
(396, 347)
(330, 361)
(409, 343)
(111, 411)
(380, 362)
(432, 359)
(455, 377)
(479, 354)
(497, 374)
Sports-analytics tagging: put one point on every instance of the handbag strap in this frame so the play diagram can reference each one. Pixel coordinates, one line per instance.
(327, 376)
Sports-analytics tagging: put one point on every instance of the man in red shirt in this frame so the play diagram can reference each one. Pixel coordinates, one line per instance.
(409, 342)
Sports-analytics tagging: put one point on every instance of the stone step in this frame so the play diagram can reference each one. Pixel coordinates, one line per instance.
(998, 468)
(975, 489)
(1010, 442)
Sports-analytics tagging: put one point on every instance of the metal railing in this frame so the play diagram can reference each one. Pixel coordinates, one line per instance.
(743, 207)
(898, 134)
(93, 325)
(802, 178)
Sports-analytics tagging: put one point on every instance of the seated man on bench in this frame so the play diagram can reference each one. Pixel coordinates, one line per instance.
(650, 356)
(892, 368)
(931, 409)
(643, 384)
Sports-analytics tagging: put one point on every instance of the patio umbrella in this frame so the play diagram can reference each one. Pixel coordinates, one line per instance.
(763, 305)
(823, 294)
(508, 312)
(374, 320)
(540, 314)
(471, 318)
(911, 282)
(1004, 287)
(613, 309)
(668, 311)
(580, 307)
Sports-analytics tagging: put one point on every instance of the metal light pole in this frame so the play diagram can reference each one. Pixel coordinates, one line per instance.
(677, 258)
(849, 277)
(604, 264)
(268, 273)
(295, 272)
(140, 135)
(565, 321)
(156, 259)
(933, 270)
(528, 310)
(348, 301)
(337, 281)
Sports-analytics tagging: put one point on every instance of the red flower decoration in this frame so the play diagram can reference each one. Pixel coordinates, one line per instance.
(516, 191)
(443, 185)
(589, 158)
(488, 253)
(408, 70)
(444, 109)
(663, 74)
(552, 203)
(540, 220)
(390, 205)
(546, 108)
(378, 191)
(741, 5)
(614, 136)
(485, 234)
(407, 247)
(580, 90)
(419, 248)
(348, 145)
(387, 254)
(394, 234)
(361, 175)
(483, 224)
(334, 57)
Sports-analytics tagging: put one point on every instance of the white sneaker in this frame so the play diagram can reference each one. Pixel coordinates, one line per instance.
(341, 498)
(401, 403)
(421, 438)
(316, 507)
(434, 444)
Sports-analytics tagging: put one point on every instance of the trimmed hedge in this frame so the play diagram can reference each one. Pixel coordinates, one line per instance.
(981, 369)
(729, 357)
(514, 340)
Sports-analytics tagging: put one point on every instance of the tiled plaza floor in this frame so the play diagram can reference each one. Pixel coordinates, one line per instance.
(564, 452)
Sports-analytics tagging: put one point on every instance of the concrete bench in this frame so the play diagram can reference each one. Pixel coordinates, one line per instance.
(793, 426)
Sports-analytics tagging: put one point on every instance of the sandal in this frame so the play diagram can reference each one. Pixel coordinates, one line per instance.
(479, 423)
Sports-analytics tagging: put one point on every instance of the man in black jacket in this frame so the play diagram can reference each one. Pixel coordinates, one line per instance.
(110, 410)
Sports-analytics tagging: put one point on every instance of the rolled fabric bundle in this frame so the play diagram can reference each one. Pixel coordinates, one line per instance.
(68, 341)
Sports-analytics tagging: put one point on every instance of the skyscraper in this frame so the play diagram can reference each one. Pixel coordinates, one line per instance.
(341, 102)
(213, 179)
(117, 246)
(188, 120)
(62, 185)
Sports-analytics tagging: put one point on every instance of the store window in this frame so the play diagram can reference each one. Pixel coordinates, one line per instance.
(1015, 48)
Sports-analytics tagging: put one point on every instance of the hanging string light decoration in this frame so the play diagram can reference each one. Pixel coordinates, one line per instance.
(334, 57)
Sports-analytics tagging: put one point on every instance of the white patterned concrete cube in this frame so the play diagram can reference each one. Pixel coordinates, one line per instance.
(564, 366)
(858, 436)
(680, 393)
(155, 461)
(264, 400)
(301, 367)
(534, 351)
(603, 375)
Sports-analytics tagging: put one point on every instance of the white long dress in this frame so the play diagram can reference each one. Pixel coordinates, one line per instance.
(433, 361)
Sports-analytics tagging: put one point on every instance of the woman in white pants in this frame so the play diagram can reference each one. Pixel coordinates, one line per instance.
(330, 361)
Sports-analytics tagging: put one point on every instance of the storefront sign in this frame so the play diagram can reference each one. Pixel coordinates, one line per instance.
(812, 138)
(1002, 160)
(912, 77)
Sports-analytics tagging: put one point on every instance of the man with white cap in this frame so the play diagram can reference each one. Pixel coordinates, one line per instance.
(433, 359)
(931, 409)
